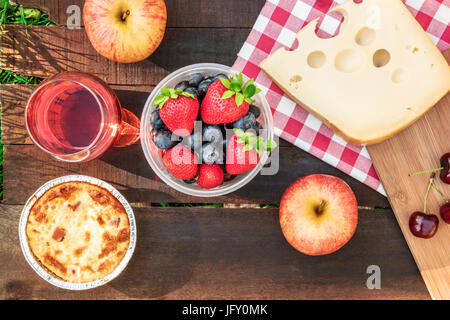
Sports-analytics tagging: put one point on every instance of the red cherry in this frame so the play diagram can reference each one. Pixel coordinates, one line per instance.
(423, 225)
(445, 212)
(445, 171)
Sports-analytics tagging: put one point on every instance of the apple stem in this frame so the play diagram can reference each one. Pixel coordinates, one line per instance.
(321, 207)
(425, 171)
(426, 194)
(125, 15)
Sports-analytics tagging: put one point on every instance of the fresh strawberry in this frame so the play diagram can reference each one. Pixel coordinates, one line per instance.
(181, 162)
(244, 151)
(178, 110)
(227, 100)
(210, 176)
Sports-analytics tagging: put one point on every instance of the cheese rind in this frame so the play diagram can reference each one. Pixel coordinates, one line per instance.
(377, 76)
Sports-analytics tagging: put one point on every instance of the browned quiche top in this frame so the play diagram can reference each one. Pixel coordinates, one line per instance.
(78, 231)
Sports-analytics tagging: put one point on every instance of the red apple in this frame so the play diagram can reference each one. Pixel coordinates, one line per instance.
(318, 214)
(125, 31)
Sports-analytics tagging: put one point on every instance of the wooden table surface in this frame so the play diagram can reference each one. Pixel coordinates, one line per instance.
(185, 252)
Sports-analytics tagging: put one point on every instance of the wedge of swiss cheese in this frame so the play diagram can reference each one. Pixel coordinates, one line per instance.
(376, 77)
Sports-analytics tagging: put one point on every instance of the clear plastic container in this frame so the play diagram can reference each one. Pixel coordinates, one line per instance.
(153, 154)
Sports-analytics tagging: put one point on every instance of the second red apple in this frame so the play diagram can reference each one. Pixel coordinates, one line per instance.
(318, 214)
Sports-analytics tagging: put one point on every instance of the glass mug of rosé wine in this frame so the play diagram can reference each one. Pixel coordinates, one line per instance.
(76, 117)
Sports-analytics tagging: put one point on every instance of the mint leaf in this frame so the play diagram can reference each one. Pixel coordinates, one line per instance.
(165, 91)
(158, 100)
(228, 94)
(270, 145)
(187, 94)
(163, 102)
(239, 99)
(235, 85)
(247, 147)
(240, 79)
(249, 82)
(240, 133)
(250, 91)
(226, 83)
(249, 100)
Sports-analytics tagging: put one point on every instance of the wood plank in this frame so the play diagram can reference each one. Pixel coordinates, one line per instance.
(415, 149)
(180, 13)
(26, 168)
(202, 253)
(44, 51)
(13, 99)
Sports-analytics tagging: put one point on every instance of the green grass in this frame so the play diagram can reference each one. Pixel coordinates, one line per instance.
(17, 15)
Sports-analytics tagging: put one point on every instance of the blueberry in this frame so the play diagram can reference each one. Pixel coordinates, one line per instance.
(239, 124)
(257, 127)
(255, 110)
(195, 79)
(203, 87)
(246, 122)
(194, 141)
(212, 133)
(163, 140)
(182, 85)
(211, 154)
(194, 91)
(228, 177)
(191, 181)
(249, 120)
(155, 120)
(218, 76)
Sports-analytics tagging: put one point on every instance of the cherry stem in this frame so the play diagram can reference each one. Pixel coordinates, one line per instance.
(426, 195)
(425, 171)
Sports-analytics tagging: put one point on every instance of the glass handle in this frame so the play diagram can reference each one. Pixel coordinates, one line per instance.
(129, 130)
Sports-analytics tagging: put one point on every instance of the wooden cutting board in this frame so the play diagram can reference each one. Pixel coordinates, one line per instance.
(415, 149)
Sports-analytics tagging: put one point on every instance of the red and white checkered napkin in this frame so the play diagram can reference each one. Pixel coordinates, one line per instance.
(277, 26)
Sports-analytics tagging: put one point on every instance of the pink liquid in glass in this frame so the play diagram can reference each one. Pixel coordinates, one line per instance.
(77, 117)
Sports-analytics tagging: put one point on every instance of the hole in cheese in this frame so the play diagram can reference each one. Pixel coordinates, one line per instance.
(296, 78)
(334, 23)
(399, 75)
(316, 59)
(293, 82)
(348, 60)
(365, 36)
(381, 58)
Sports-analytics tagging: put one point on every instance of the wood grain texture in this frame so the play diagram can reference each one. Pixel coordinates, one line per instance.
(44, 51)
(13, 100)
(180, 13)
(26, 168)
(202, 253)
(135, 176)
(415, 149)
